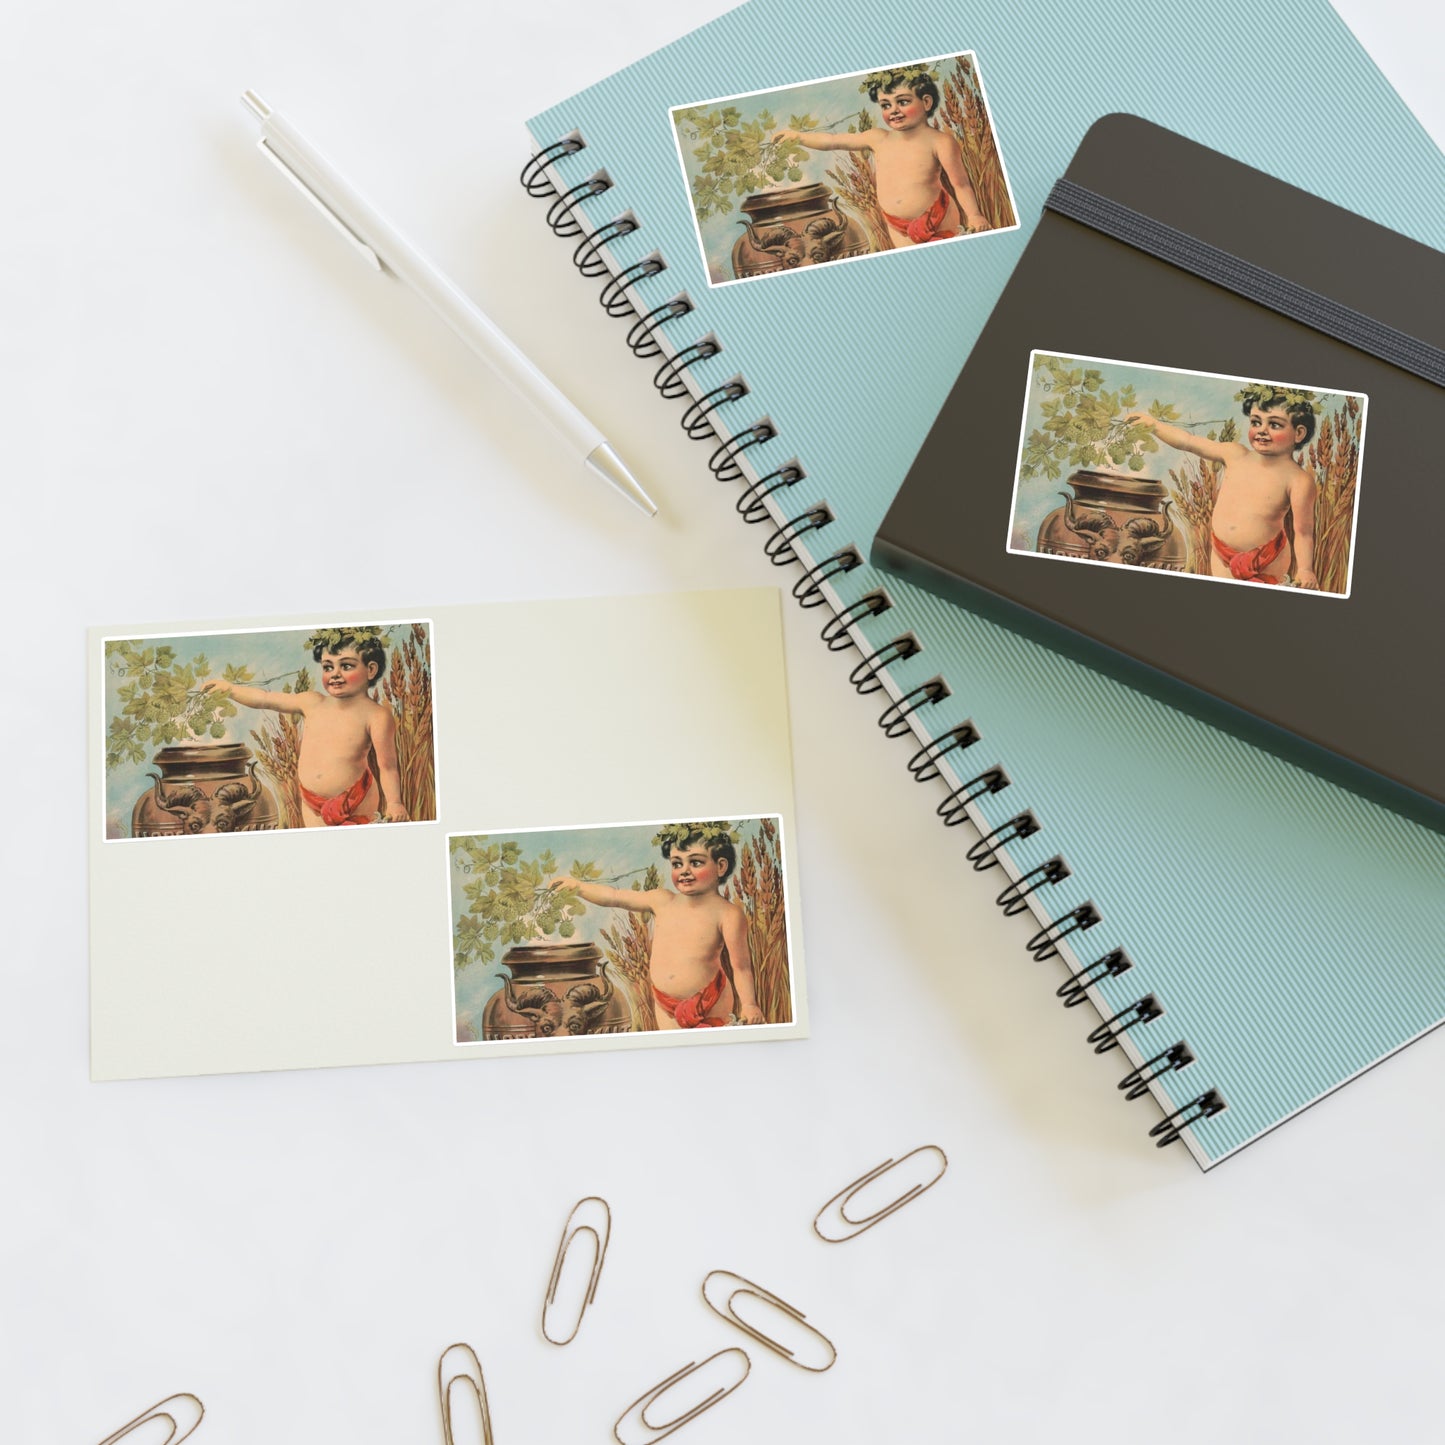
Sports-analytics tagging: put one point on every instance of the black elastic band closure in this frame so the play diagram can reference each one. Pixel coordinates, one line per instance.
(613, 297)
(835, 630)
(723, 463)
(924, 763)
(954, 808)
(534, 177)
(894, 718)
(808, 589)
(1244, 278)
(1206, 1106)
(1135, 1084)
(586, 259)
(668, 377)
(1014, 898)
(750, 505)
(1045, 943)
(1141, 1011)
(1075, 989)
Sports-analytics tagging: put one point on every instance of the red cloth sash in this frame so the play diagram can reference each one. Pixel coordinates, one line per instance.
(339, 812)
(1249, 566)
(692, 1013)
(925, 227)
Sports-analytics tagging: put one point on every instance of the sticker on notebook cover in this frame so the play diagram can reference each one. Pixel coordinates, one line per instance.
(250, 732)
(1189, 473)
(843, 168)
(668, 930)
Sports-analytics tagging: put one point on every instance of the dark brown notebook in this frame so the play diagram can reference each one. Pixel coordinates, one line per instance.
(1160, 253)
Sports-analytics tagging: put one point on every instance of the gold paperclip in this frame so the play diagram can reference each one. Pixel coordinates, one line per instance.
(182, 1412)
(756, 1291)
(857, 1226)
(601, 1232)
(637, 1411)
(459, 1365)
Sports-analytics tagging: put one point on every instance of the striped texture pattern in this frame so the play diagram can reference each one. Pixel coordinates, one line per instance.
(1289, 928)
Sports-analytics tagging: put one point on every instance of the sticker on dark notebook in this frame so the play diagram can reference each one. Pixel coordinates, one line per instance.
(1188, 473)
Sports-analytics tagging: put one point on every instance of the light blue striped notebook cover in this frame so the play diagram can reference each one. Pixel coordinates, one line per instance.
(1289, 930)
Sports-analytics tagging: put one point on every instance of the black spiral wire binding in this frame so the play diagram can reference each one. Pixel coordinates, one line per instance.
(697, 418)
(924, 763)
(1045, 943)
(866, 676)
(751, 506)
(1136, 1084)
(723, 463)
(1141, 1011)
(642, 340)
(1168, 1129)
(1014, 899)
(613, 297)
(559, 213)
(840, 631)
(535, 180)
(668, 377)
(894, 718)
(808, 589)
(836, 634)
(1075, 989)
(779, 547)
(984, 853)
(954, 808)
(587, 258)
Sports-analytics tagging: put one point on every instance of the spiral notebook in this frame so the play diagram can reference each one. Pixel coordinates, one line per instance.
(1249, 935)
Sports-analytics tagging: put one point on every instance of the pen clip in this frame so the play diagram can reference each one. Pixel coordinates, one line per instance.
(279, 161)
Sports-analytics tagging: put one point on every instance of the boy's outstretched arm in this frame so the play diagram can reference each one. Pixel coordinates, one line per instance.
(950, 158)
(383, 739)
(735, 938)
(821, 140)
(634, 899)
(258, 696)
(1186, 441)
(1302, 493)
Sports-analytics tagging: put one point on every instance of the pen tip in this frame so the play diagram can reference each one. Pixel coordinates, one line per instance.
(254, 103)
(609, 466)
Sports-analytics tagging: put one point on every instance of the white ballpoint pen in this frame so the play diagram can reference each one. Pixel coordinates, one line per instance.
(384, 248)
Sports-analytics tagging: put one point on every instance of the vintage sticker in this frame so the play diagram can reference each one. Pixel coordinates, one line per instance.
(664, 929)
(1188, 473)
(320, 727)
(843, 168)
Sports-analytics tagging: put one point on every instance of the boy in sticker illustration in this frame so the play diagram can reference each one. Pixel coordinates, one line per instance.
(691, 928)
(341, 727)
(922, 184)
(1260, 485)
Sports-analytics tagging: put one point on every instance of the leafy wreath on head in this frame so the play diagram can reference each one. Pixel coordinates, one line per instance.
(677, 835)
(1292, 396)
(908, 76)
(328, 639)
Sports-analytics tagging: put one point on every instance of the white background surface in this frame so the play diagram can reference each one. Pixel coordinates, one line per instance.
(210, 408)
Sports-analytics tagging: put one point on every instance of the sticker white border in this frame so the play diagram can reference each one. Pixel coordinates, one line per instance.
(659, 1038)
(826, 80)
(104, 770)
(1157, 571)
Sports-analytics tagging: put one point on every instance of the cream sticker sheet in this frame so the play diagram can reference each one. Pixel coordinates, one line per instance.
(314, 841)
